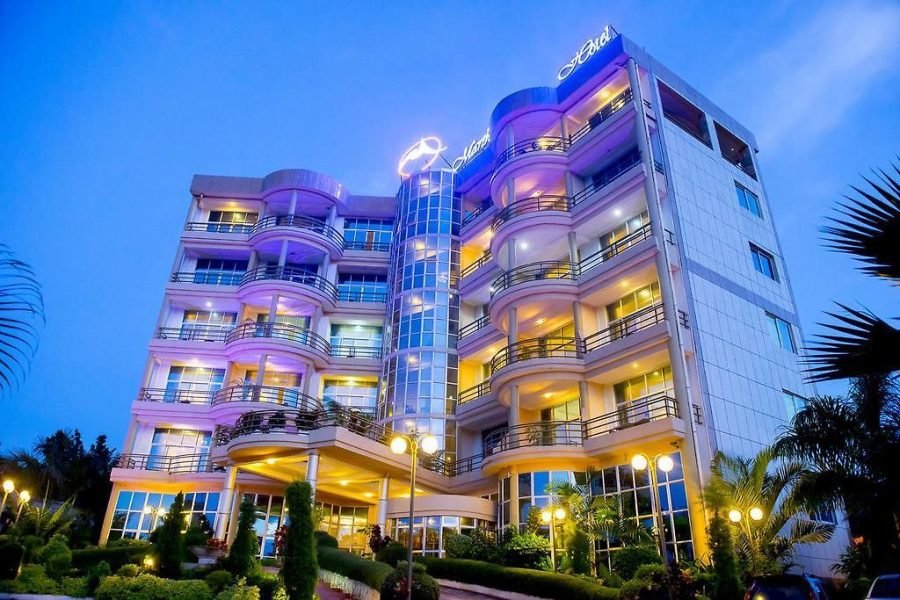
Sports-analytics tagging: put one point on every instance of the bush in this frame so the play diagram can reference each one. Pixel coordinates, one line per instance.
(459, 546)
(169, 541)
(626, 561)
(128, 570)
(526, 550)
(300, 568)
(324, 540)
(609, 578)
(524, 581)
(11, 555)
(478, 545)
(218, 580)
(392, 554)
(649, 583)
(241, 558)
(267, 583)
(56, 557)
(394, 586)
(77, 587)
(369, 572)
(725, 562)
(32, 580)
(148, 587)
(114, 556)
(239, 591)
(579, 546)
(96, 574)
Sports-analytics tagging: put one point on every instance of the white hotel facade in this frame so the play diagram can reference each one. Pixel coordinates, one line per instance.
(599, 276)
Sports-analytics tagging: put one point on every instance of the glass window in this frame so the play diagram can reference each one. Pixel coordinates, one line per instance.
(130, 520)
(216, 271)
(763, 262)
(351, 392)
(169, 442)
(362, 287)
(782, 332)
(181, 381)
(368, 234)
(748, 200)
(792, 403)
(221, 221)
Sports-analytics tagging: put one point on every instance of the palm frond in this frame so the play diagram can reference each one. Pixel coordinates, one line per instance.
(21, 315)
(861, 344)
(869, 226)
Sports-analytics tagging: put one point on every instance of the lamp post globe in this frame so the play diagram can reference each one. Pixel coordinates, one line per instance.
(639, 462)
(756, 513)
(429, 444)
(398, 445)
(734, 515)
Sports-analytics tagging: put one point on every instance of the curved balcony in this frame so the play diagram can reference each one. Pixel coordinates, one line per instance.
(188, 463)
(170, 396)
(267, 394)
(310, 344)
(538, 271)
(619, 246)
(531, 146)
(528, 206)
(538, 348)
(627, 325)
(477, 264)
(299, 223)
(545, 433)
(321, 287)
(614, 105)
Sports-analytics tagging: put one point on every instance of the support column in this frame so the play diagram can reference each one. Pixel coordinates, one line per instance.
(384, 487)
(514, 498)
(573, 248)
(513, 406)
(226, 500)
(570, 184)
(576, 319)
(292, 205)
(513, 336)
(312, 472)
(307, 379)
(253, 261)
(273, 308)
(584, 399)
(234, 511)
(510, 190)
(261, 369)
(564, 128)
(282, 256)
(108, 515)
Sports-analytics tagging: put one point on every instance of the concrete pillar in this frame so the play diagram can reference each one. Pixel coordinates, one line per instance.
(332, 215)
(576, 319)
(273, 308)
(226, 500)
(510, 190)
(306, 380)
(564, 128)
(110, 511)
(570, 184)
(573, 248)
(384, 487)
(261, 369)
(513, 419)
(585, 400)
(282, 256)
(253, 261)
(511, 254)
(292, 205)
(514, 498)
(513, 336)
(234, 512)
(312, 472)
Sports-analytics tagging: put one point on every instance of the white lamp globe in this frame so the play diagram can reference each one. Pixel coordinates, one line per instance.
(665, 463)
(398, 445)
(639, 462)
(429, 444)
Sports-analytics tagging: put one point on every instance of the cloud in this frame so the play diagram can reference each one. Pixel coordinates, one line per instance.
(805, 83)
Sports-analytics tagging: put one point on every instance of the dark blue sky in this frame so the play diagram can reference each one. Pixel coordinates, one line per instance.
(108, 108)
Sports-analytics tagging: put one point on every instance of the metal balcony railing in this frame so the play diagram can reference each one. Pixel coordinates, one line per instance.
(354, 351)
(472, 215)
(208, 277)
(635, 237)
(300, 222)
(267, 394)
(539, 144)
(617, 103)
(480, 262)
(280, 331)
(629, 414)
(293, 275)
(544, 433)
(240, 228)
(176, 396)
(608, 175)
(470, 328)
(546, 347)
(474, 392)
(368, 246)
(627, 325)
(195, 333)
(188, 463)
(344, 295)
(531, 205)
(550, 269)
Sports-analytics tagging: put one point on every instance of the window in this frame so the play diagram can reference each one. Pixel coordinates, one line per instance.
(748, 200)
(368, 234)
(185, 383)
(793, 403)
(206, 325)
(215, 271)
(130, 521)
(735, 151)
(566, 411)
(362, 287)
(231, 221)
(764, 262)
(684, 114)
(782, 332)
(269, 517)
(351, 393)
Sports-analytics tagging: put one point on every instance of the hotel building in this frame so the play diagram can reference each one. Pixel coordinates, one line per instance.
(597, 276)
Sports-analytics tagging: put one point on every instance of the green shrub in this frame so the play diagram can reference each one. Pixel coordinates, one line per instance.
(579, 546)
(148, 587)
(524, 581)
(56, 557)
(457, 545)
(424, 587)
(724, 559)
(267, 584)
(526, 550)
(96, 574)
(369, 572)
(324, 539)
(128, 570)
(609, 578)
(300, 568)
(115, 556)
(218, 580)
(33, 545)
(169, 541)
(625, 562)
(239, 591)
(34, 580)
(241, 559)
(477, 545)
(11, 555)
(77, 587)
(392, 554)
(649, 583)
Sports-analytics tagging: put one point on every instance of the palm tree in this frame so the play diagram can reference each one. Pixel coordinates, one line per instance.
(21, 312)
(765, 546)
(852, 445)
(868, 227)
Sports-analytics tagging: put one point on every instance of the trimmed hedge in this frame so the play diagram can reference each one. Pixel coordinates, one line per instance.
(149, 587)
(115, 557)
(369, 572)
(511, 579)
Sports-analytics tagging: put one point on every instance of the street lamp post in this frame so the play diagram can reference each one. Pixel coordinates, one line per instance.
(8, 488)
(429, 445)
(665, 464)
(24, 498)
(736, 516)
(150, 510)
(551, 516)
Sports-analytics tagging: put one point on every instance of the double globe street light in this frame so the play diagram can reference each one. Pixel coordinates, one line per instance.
(664, 463)
(551, 517)
(414, 441)
(24, 497)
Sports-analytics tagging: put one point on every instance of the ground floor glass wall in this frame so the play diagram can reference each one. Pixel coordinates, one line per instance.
(430, 532)
(138, 513)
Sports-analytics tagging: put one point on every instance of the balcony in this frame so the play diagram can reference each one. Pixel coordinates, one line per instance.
(366, 246)
(614, 249)
(189, 463)
(475, 392)
(267, 394)
(175, 396)
(195, 333)
(628, 325)
(470, 328)
(346, 295)
(292, 275)
(637, 412)
(208, 277)
(480, 262)
(545, 433)
(542, 348)
(551, 145)
(531, 205)
(302, 224)
(238, 228)
(355, 351)
(601, 116)
(539, 271)
(280, 331)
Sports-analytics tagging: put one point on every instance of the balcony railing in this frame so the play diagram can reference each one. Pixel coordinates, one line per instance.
(546, 347)
(353, 351)
(300, 222)
(539, 144)
(531, 205)
(545, 433)
(188, 463)
(550, 269)
(476, 212)
(241, 228)
(194, 333)
(643, 410)
(480, 262)
(474, 392)
(293, 275)
(280, 331)
(267, 394)
(452, 468)
(368, 246)
(470, 328)
(635, 237)
(608, 175)
(602, 115)
(361, 296)
(621, 328)
(208, 277)
(176, 396)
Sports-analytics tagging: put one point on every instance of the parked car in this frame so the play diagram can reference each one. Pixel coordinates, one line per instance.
(884, 587)
(786, 587)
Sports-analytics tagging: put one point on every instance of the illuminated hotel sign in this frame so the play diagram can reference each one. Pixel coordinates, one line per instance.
(420, 156)
(589, 48)
(472, 150)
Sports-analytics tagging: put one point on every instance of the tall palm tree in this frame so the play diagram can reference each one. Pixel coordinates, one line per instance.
(867, 227)
(764, 481)
(852, 445)
(21, 314)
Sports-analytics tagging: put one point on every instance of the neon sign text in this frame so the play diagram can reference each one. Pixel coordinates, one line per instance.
(586, 51)
(420, 156)
(472, 150)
